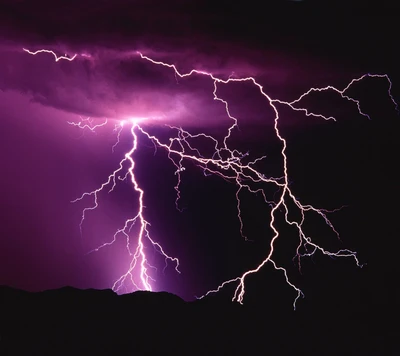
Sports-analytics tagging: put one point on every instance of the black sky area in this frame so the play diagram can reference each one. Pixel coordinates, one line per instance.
(352, 162)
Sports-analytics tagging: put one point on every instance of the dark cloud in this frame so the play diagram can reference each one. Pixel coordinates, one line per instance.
(278, 46)
(287, 46)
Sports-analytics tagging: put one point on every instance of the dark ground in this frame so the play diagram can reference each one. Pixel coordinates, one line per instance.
(81, 322)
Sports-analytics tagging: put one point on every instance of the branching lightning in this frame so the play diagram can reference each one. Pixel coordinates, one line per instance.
(138, 256)
(228, 164)
(57, 58)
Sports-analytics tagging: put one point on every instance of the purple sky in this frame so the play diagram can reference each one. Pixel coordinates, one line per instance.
(46, 162)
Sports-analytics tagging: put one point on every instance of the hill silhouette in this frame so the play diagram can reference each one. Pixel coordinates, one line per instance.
(99, 322)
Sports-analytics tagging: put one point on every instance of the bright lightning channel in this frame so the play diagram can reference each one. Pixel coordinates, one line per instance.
(56, 58)
(231, 168)
(138, 257)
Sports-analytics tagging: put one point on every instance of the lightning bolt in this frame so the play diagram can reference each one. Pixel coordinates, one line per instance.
(57, 58)
(229, 164)
(138, 256)
(87, 123)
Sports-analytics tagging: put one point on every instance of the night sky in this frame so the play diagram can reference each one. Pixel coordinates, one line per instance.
(289, 47)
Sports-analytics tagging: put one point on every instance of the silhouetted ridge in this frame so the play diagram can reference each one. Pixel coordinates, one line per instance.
(70, 321)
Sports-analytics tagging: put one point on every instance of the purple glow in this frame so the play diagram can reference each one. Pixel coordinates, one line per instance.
(166, 104)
